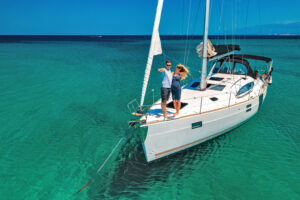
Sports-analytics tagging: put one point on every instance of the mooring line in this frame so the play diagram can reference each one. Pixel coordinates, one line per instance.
(105, 161)
(101, 167)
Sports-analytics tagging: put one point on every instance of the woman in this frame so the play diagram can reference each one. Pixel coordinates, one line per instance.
(180, 73)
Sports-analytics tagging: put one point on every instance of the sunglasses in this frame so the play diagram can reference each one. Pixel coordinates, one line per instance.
(168, 65)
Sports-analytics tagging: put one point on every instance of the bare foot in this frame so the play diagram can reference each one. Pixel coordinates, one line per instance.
(175, 114)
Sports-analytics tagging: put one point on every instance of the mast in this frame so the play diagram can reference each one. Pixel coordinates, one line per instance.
(155, 49)
(204, 55)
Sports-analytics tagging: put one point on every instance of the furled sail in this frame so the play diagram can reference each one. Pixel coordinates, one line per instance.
(210, 49)
(155, 49)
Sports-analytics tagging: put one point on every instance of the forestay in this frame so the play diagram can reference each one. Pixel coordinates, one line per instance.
(155, 49)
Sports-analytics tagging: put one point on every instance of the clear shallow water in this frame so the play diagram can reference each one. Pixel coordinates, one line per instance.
(63, 108)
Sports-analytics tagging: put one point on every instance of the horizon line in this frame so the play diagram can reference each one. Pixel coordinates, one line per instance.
(287, 34)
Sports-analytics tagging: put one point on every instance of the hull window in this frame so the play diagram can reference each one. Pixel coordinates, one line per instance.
(196, 125)
(245, 89)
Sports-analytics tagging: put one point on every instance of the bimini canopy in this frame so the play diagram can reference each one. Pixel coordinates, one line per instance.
(236, 60)
(252, 57)
(229, 65)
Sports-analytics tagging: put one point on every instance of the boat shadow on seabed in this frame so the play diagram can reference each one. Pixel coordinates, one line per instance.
(132, 175)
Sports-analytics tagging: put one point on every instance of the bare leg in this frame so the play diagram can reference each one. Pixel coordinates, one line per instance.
(178, 106)
(164, 109)
(175, 106)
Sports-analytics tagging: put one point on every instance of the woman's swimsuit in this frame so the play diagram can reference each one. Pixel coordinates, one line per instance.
(176, 87)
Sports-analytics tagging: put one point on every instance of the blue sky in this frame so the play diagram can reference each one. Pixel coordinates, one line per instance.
(135, 17)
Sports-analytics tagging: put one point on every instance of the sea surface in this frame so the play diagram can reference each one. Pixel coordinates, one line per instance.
(63, 107)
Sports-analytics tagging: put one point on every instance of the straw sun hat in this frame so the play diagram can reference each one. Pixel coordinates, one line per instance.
(183, 71)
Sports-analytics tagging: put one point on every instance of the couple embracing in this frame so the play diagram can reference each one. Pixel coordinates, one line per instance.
(171, 82)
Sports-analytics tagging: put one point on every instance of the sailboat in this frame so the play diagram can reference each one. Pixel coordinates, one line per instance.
(213, 104)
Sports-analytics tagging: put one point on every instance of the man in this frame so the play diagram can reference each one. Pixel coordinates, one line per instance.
(256, 74)
(166, 87)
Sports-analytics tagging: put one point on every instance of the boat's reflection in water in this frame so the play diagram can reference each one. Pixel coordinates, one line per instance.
(132, 174)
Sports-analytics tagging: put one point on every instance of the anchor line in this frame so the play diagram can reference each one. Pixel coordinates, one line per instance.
(105, 161)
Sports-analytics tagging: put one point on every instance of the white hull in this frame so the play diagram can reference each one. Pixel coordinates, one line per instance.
(172, 136)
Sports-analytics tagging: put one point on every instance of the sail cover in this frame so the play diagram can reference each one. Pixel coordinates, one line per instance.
(210, 49)
(155, 49)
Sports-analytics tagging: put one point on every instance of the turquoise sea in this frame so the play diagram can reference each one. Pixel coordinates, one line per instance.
(63, 108)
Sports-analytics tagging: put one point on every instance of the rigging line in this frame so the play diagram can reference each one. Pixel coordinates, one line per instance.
(187, 32)
(178, 61)
(220, 18)
(260, 26)
(247, 12)
(183, 14)
(241, 22)
(222, 24)
(237, 20)
(193, 31)
(232, 21)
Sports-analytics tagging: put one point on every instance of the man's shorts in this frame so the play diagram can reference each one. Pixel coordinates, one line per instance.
(165, 94)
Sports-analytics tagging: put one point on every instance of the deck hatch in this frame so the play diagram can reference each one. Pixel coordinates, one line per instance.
(196, 125)
(195, 84)
(171, 105)
(215, 87)
(216, 79)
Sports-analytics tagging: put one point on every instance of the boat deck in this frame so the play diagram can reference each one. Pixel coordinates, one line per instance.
(219, 94)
